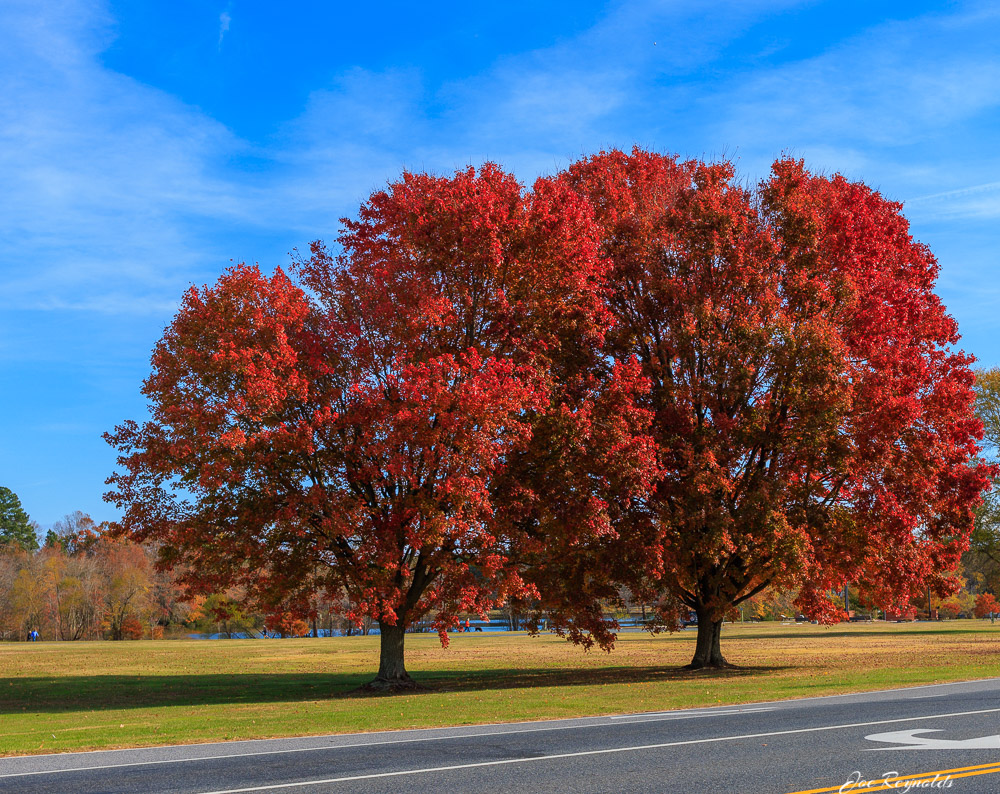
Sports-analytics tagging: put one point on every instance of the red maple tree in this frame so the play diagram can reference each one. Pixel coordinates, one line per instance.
(986, 606)
(813, 419)
(360, 422)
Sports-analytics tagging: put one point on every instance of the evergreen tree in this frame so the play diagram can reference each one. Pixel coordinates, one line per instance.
(15, 526)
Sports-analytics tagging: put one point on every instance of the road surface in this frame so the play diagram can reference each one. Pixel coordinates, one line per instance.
(918, 739)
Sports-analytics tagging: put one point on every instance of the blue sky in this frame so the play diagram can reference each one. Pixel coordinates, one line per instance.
(145, 145)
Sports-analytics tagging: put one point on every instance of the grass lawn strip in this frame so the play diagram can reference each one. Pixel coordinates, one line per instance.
(57, 697)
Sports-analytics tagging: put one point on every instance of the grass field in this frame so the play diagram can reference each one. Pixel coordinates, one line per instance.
(89, 695)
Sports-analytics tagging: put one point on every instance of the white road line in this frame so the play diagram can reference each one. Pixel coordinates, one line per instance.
(675, 715)
(639, 718)
(557, 756)
(796, 701)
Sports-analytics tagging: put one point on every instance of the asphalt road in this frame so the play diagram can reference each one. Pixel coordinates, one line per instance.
(824, 744)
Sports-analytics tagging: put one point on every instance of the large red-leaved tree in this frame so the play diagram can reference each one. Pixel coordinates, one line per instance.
(354, 429)
(813, 419)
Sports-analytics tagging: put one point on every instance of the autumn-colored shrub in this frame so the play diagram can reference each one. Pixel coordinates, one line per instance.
(986, 605)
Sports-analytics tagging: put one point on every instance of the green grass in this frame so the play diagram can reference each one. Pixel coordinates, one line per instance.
(89, 695)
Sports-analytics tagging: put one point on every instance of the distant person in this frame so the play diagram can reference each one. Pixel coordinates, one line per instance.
(467, 625)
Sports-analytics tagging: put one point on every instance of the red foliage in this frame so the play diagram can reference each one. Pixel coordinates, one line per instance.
(812, 418)
(950, 609)
(131, 628)
(357, 438)
(286, 624)
(906, 614)
(986, 605)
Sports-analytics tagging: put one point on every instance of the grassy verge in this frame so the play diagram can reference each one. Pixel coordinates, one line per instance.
(73, 696)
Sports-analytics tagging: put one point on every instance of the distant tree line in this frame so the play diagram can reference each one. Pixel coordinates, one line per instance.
(82, 584)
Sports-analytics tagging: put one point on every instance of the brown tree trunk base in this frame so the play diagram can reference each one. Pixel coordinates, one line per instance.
(381, 686)
(392, 676)
(707, 652)
(718, 664)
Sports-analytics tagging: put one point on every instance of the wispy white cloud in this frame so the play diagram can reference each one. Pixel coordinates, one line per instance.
(531, 111)
(106, 179)
(975, 201)
(113, 302)
(225, 18)
(893, 102)
(947, 195)
(110, 181)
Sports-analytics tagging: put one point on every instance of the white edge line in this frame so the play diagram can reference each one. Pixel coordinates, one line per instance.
(557, 756)
(637, 718)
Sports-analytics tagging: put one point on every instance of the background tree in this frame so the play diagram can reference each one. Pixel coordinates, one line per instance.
(72, 532)
(12, 560)
(770, 604)
(83, 585)
(226, 613)
(986, 606)
(74, 593)
(28, 599)
(812, 419)
(982, 560)
(127, 575)
(15, 526)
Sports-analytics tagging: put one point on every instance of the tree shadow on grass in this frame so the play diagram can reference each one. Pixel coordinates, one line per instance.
(527, 678)
(835, 633)
(52, 694)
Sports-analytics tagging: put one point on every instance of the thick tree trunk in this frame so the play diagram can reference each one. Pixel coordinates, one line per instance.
(708, 647)
(391, 668)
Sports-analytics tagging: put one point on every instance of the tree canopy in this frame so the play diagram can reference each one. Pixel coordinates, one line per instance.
(350, 431)
(813, 420)
(16, 528)
(639, 373)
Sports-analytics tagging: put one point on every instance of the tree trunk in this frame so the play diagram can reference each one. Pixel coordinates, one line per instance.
(708, 651)
(391, 668)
